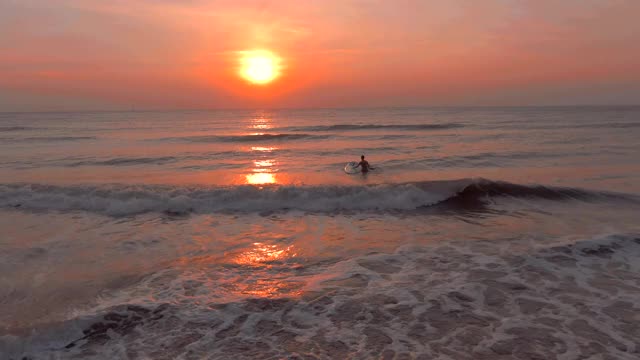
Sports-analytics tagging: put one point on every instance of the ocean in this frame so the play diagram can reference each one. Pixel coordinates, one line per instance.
(481, 233)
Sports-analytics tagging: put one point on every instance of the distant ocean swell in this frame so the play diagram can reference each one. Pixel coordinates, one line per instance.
(122, 200)
(355, 127)
(473, 160)
(246, 138)
(47, 139)
(77, 161)
(302, 132)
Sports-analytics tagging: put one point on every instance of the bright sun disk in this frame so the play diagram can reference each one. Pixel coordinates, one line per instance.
(259, 66)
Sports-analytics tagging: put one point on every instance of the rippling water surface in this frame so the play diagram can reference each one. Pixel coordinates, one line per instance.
(490, 233)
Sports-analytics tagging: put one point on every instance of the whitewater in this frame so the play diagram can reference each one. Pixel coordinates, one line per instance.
(482, 233)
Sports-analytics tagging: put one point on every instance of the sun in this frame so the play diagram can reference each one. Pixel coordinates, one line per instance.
(259, 66)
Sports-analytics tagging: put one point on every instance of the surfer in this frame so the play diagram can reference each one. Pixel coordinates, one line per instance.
(364, 164)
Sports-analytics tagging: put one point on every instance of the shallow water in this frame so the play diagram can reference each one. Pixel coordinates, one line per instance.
(481, 234)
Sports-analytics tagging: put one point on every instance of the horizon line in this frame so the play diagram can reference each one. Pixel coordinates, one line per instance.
(327, 108)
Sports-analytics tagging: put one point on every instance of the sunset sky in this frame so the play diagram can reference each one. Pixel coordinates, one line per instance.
(176, 54)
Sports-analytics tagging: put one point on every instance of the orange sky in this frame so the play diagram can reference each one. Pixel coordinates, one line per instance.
(156, 54)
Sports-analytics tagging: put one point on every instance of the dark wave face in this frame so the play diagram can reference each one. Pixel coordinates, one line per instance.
(45, 139)
(126, 161)
(15, 128)
(478, 189)
(57, 138)
(122, 200)
(355, 127)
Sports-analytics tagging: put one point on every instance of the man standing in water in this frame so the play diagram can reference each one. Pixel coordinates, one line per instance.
(364, 164)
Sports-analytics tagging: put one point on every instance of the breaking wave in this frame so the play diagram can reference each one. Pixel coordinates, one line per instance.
(121, 200)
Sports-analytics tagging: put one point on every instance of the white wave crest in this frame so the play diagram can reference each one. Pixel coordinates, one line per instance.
(120, 200)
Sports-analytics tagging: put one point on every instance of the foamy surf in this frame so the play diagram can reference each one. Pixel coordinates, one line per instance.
(463, 299)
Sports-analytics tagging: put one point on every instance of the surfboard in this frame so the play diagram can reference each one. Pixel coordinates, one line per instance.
(350, 168)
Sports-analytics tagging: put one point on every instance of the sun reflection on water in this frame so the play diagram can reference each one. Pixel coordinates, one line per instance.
(263, 171)
(261, 122)
(260, 178)
(260, 270)
(264, 148)
(262, 258)
(264, 163)
(261, 254)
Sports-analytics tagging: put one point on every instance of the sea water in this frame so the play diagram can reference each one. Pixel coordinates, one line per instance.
(481, 233)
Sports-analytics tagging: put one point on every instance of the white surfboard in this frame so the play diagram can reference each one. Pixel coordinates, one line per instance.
(351, 168)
